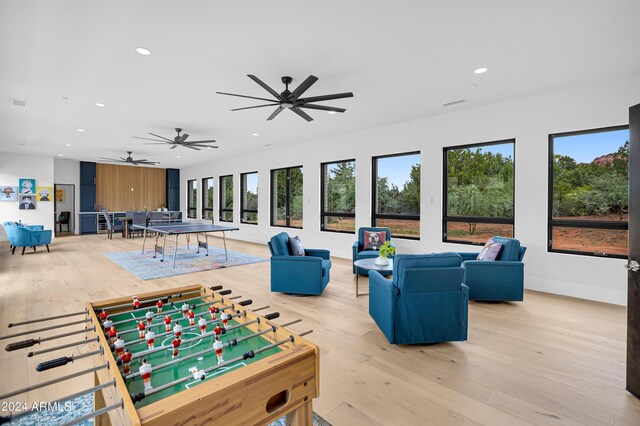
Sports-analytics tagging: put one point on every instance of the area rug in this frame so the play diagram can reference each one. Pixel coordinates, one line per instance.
(84, 405)
(187, 261)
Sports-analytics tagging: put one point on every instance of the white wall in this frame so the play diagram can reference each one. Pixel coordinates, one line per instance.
(528, 120)
(16, 166)
(68, 172)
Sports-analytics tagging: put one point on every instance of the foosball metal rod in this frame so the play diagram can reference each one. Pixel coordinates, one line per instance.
(31, 321)
(30, 342)
(231, 342)
(68, 345)
(54, 381)
(59, 362)
(172, 296)
(95, 413)
(249, 354)
(287, 324)
(53, 327)
(18, 414)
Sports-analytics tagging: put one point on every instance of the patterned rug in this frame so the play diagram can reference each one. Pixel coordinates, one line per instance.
(84, 405)
(187, 261)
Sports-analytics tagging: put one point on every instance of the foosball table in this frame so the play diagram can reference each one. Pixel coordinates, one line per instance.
(189, 356)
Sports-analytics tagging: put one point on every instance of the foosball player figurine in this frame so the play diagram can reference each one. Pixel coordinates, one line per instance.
(150, 336)
(197, 373)
(145, 372)
(225, 320)
(136, 302)
(185, 309)
(192, 317)
(141, 329)
(176, 344)
(213, 311)
(119, 346)
(177, 330)
(103, 315)
(218, 330)
(126, 361)
(149, 316)
(113, 334)
(203, 324)
(167, 323)
(217, 346)
(159, 305)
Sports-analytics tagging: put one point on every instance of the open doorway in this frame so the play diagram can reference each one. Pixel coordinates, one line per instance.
(64, 209)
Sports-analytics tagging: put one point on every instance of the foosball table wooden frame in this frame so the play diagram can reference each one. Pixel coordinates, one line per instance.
(281, 384)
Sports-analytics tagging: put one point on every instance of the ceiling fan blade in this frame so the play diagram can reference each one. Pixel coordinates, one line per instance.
(161, 137)
(192, 142)
(122, 158)
(149, 139)
(173, 146)
(156, 143)
(191, 147)
(264, 86)
(110, 159)
(321, 107)
(301, 113)
(140, 161)
(255, 106)
(304, 86)
(275, 113)
(151, 163)
(182, 138)
(244, 96)
(327, 97)
(204, 146)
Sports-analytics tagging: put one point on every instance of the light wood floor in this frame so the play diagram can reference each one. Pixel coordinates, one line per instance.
(548, 361)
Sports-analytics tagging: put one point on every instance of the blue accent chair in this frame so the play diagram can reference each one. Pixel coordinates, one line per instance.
(27, 236)
(425, 302)
(308, 274)
(358, 251)
(500, 280)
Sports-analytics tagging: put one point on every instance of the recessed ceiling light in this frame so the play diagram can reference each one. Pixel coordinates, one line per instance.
(255, 134)
(332, 112)
(481, 70)
(178, 156)
(67, 144)
(60, 155)
(143, 51)
(80, 130)
(98, 104)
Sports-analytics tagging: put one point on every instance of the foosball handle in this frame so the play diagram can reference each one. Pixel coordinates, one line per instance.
(22, 344)
(248, 354)
(135, 397)
(233, 342)
(272, 315)
(224, 292)
(215, 287)
(58, 362)
(245, 302)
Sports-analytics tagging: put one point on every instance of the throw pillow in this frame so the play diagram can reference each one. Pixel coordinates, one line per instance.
(296, 246)
(490, 251)
(373, 240)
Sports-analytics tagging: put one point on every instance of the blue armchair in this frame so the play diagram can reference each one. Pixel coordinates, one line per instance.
(308, 274)
(358, 251)
(425, 302)
(27, 236)
(499, 280)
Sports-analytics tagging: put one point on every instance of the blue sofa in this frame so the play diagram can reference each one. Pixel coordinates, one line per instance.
(425, 302)
(358, 251)
(308, 274)
(499, 280)
(26, 236)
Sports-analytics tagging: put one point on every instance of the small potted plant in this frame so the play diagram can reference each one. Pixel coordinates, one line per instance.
(385, 250)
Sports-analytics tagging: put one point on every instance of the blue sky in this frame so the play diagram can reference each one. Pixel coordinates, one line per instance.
(397, 169)
(584, 148)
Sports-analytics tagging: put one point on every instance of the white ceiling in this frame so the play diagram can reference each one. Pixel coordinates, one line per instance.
(402, 60)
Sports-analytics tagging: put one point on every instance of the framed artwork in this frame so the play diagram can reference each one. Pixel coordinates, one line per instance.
(44, 193)
(60, 195)
(27, 202)
(9, 193)
(27, 186)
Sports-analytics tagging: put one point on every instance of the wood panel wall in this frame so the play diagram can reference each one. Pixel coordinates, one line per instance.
(121, 188)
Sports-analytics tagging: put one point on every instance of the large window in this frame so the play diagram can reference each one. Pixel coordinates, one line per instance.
(478, 192)
(249, 198)
(226, 198)
(207, 198)
(588, 192)
(192, 198)
(396, 194)
(338, 197)
(286, 197)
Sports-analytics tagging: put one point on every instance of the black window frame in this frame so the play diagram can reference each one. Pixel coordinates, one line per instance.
(586, 224)
(244, 210)
(324, 213)
(474, 219)
(221, 194)
(189, 206)
(205, 189)
(287, 198)
(374, 195)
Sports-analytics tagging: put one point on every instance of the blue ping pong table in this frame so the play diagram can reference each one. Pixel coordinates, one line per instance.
(186, 229)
